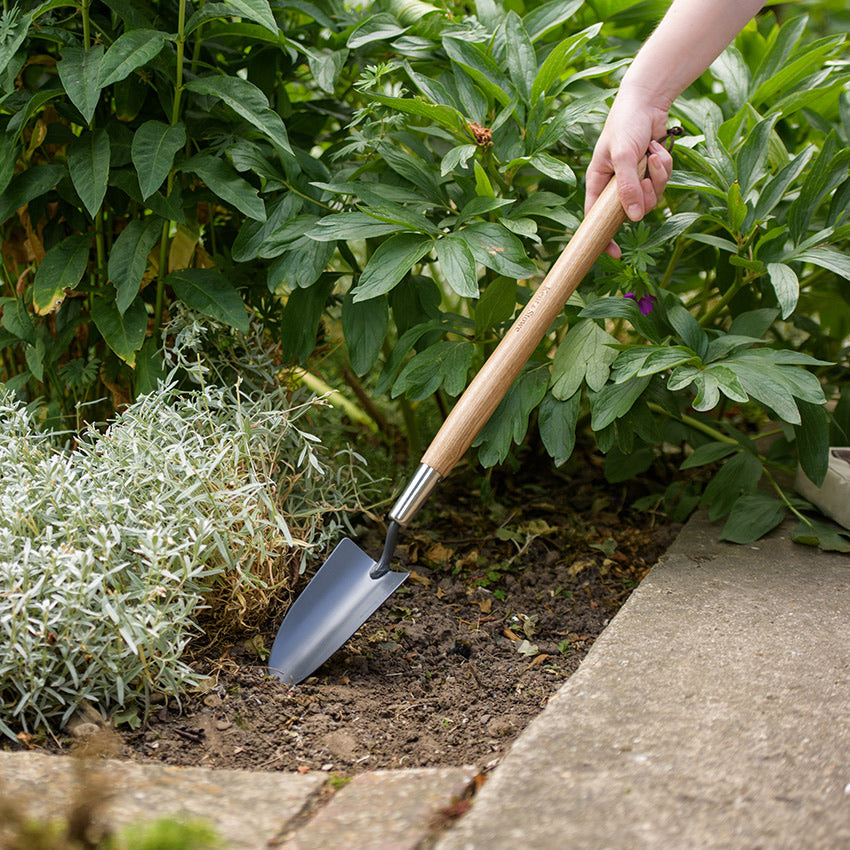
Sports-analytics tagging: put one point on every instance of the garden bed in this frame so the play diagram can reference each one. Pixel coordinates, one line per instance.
(502, 604)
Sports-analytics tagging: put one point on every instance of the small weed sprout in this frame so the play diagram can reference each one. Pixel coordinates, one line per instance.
(192, 508)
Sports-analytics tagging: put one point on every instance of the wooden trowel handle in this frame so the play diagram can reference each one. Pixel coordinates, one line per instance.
(489, 386)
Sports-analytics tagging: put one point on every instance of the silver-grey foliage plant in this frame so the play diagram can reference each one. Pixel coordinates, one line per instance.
(108, 552)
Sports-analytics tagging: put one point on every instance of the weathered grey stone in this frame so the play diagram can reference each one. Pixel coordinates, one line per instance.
(247, 808)
(384, 810)
(713, 712)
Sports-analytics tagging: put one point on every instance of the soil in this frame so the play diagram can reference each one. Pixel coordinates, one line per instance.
(503, 601)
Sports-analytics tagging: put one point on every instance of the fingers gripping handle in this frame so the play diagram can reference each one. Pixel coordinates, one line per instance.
(489, 386)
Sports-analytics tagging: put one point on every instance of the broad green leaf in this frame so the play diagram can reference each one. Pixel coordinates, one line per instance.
(751, 517)
(248, 101)
(351, 225)
(458, 265)
(740, 474)
(688, 329)
(622, 466)
(391, 261)
(813, 532)
(767, 384)
(774, 189)
(585, 354)
(149, 368)
(210, 293)
(444, 363)
(614, 401)
(15, 27)
(481, 67)
(79, 71)
(226, 183)
(522, 60)
(365, 328)
(258, 11)
(129, 258)
(784, 281)
(827, 258)
(554, 168)
(412, 167)
(28, 185)
(411, 12)
(497, 248)
(300, 321)
(666, 357)
(445, 116)
(153, 149)
(708, 453)
(408, 218)
(300, 266)
(130, 51)
(457, 156)
(732, 71)
(62, 268)
(813, 441)
(556, 62)
(325, 65)
(509, 422)
(34, 356)
(17, 320)
(811, 59)
(496, 304)
(380, 27)
(753, 323)
(547, 16)
(88, 164)
(672, 227)
(557, 423)
(8, 158)
(752, 159)
(124, 332)
(402, 348)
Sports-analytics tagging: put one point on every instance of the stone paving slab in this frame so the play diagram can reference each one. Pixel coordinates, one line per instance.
(248, 809)
(384, 810)
(713, 712)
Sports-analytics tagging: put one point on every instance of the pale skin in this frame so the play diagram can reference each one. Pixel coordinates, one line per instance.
(690, 37)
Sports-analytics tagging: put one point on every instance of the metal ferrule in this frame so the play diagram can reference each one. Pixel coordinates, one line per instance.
(424, 480)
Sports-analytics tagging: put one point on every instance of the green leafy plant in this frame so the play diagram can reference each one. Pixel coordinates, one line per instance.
(383, 186)
(456, 188)
(135, 140)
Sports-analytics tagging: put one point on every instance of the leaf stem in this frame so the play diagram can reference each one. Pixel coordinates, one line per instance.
(180, 41)
(85, 5)
(694, 423)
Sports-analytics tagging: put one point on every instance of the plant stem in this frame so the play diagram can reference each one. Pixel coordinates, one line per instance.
(100, 245)
(181, 47)
(335, 397)
(727, 296)
(694, 423)
(180, 42)
(86, 23)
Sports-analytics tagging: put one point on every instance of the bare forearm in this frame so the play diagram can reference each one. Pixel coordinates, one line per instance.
(689, 38)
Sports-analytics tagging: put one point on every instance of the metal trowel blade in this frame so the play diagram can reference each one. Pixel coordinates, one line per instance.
(337, 601)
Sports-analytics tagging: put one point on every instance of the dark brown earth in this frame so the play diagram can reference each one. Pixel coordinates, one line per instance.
(503, 602)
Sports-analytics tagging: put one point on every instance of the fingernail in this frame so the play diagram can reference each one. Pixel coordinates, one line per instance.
(634, 212)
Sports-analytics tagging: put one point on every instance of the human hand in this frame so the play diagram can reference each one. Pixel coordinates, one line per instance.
(628, 136)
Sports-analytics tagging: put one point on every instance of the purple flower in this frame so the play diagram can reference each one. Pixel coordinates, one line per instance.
(646, 303)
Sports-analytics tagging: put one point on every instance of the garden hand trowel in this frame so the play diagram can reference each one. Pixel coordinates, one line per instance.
(350, 586)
